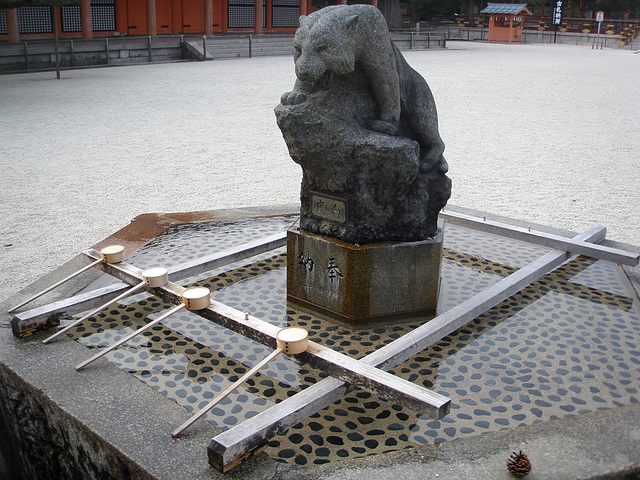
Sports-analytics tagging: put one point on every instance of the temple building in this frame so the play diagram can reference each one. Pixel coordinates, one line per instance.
(106, 18)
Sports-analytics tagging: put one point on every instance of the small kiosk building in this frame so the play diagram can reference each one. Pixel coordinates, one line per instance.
(505, 21)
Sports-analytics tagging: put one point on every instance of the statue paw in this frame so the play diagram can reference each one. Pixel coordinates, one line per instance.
(441, 166)
(384, 127)
(293, 98)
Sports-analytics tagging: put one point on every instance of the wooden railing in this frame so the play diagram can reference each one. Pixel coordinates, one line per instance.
(628, 29)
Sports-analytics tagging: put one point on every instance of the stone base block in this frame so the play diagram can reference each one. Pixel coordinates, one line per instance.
(362, 283)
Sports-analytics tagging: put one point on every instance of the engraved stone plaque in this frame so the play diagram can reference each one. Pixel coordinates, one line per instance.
(328, 208)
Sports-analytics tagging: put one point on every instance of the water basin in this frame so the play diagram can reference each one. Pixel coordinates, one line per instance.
(568, 344)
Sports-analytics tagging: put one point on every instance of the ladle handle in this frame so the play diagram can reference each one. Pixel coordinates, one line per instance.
(48, 289)
(226, 393)
(131, 335)
(94, 311)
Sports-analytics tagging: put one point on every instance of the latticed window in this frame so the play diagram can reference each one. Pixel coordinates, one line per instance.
(103, 15)
(242, 14)
(3, 22)
(285, 13)
(71, 20)
(34, 20)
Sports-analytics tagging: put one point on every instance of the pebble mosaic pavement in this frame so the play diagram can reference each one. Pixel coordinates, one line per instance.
(568, 344)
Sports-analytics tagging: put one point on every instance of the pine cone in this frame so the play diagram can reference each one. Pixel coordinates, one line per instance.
(519, 465)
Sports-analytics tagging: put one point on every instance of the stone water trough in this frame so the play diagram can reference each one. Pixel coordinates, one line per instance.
(533, 329)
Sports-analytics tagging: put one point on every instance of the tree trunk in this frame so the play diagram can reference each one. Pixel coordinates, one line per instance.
(415, 15)
(392, 12)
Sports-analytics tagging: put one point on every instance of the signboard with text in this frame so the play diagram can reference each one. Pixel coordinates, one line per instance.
(556, 18)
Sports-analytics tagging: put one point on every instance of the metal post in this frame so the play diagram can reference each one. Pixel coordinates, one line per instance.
(71, 52)
(250, 46)
(26, 55)
(106, 48)
(54, 11)
(150, 54)
(204, 47)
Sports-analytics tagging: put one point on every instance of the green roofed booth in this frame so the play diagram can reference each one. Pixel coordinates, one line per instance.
(505, 21)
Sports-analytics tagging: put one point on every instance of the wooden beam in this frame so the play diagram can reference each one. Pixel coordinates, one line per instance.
(417, 340)
(208, 17)
(85, 19)
(230, 447)
(13, 29)
(26, 323)
(257, 25)
(338, 365)
(30, 321)
(227, 447)
(550, 240)
(152, 16)
(482, 265)
(231, 255)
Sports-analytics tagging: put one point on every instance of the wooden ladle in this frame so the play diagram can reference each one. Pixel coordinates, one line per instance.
(194, 298)
(110, 254)
(153, 277)
(290, 340)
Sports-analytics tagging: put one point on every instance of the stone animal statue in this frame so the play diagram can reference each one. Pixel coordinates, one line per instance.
(339, 39)
(363, 126)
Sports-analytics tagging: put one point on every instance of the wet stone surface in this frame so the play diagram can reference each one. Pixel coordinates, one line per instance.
(566, 345)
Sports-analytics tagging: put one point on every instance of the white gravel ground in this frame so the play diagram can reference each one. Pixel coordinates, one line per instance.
(546, 133)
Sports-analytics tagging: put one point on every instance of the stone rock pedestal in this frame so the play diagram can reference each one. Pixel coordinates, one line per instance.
(358, 284)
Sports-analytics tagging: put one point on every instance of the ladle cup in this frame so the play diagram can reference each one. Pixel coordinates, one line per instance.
(290, 340)
(153, 277)
(110, 254)
(194, 298)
